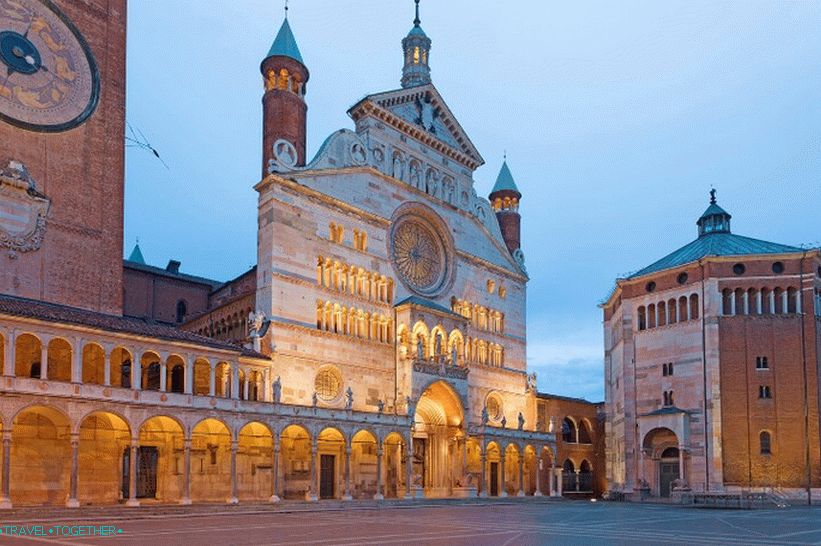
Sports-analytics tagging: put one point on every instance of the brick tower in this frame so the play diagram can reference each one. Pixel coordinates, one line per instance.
(283, 104)
(505, 200)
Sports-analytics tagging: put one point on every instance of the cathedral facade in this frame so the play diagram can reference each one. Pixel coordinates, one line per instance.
(377, 349)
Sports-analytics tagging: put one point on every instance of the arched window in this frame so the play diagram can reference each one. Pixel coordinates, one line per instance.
(35, 371)
(584, 432)
(642, 318)
(569, 477)
(178, 379)
(569, 434)
(585, 476)
(694, 311)
(764, 441)
(182, 310)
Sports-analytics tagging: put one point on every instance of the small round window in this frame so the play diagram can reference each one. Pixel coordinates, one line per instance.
(739, 269)
(682, 278)
(651, 286)
(328, 384)
(494, 407)
(778, 268)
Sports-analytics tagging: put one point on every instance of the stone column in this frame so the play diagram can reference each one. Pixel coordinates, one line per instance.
(732, 303)
(681, 474)
(409, 488)
(163, 376)
(188, 387)
(483, 472)
(347, 495)
(275, 472)
(521, 492)
(398, 472)
(745, 299)
(72, 501)
(106, 367)
(245, 385)
(43, 360)
(559, 482)
(235, 381)
(312, 496)
(233, 499)
(538, 492)
(550, 477)
(798, 301)
(132, 473)
(379, 455)
(76, 361)
(5, 498)
(136, 374)
(186, 484)
(8, 355)
(758, 302)
(772, 302)
(503, 490)
(785, 302)
(578, 474)
(212, 378)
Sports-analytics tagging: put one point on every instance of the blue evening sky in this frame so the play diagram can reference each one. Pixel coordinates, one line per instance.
(617, 117)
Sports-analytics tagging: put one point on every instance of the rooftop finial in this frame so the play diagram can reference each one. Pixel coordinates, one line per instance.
(713, 196)
(286, 9)
(417, 21)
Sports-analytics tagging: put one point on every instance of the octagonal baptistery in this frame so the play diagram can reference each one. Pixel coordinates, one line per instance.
(378, 259)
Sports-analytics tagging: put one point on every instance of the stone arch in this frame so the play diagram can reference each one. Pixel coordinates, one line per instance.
(151, 370)
(202, 377)
(211, 442)
(295, 451)
(438, 417)
(224, 379)
(104, 437)
(420, 337)
(364, 447)
(94, 363)
(569, 430)
(585, 431)
(120, 361)
(330, 447)
(28, 352)
(175, 374)
(255, 469)
(438, 343)
(160, 464)
(60, 352)
(394, 448)
(531, 461)
(569, 476)
(513, 453)
(663, 465)
(40, 459)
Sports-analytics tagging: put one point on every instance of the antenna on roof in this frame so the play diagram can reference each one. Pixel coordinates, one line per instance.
(136, 139)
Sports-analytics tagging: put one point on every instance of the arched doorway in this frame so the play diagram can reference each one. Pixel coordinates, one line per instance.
(438, 418)
(661, 464)
(104, 439)
(255, 462)
(40, 457)
(159, 461)
(211, 458)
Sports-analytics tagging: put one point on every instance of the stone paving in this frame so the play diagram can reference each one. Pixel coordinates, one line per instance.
(492, 523)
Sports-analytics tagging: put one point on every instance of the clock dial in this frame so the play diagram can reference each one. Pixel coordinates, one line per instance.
(48, 77)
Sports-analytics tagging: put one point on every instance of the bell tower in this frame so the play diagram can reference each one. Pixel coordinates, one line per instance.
(505, 199)
(284, 123)
(416, 47)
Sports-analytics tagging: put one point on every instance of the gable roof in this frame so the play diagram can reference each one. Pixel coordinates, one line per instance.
(401, 109)
(715, 244)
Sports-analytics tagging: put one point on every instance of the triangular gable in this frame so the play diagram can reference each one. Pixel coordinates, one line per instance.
(421, 112)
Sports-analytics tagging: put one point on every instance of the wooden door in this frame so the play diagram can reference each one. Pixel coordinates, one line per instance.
(327, 476)
(494, 479)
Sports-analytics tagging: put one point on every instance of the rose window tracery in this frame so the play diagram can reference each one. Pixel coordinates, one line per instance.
(419, 250)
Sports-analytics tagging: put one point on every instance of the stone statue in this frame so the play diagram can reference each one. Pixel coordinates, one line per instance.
(521, 421)
(531, 382)
(420, 348)
(414, 175)
(349, 398)
(551, 427)
(437, 345)
(277, 390)
(380, 406)
(454, 355)
(504, 422)
(485, 416)
(411, 406)
(397, 167)
(314, 399)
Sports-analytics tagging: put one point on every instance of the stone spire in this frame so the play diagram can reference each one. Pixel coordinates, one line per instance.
(416, 47)
(715, 219)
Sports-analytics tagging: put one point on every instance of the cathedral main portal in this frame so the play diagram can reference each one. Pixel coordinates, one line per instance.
(437, 457)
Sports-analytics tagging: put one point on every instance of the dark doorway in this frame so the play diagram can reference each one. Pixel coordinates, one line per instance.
(419, 447)
(494, 479)
(147, 457)
(668, 471)
(177, 379)
(327, 476)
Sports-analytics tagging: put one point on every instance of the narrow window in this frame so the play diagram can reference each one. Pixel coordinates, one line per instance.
(182, 310)
(765, 442)
(670, 368)
(764, 392)
(761, 363)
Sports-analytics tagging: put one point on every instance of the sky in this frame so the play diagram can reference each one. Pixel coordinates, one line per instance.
(617, 119)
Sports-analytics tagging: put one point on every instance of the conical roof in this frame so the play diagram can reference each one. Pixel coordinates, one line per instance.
(505, 182)
(136, 255)
(285, 44)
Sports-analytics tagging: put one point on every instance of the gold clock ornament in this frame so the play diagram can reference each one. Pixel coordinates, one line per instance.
(48, 78)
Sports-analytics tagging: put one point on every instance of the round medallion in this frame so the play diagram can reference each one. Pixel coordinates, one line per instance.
(285, 153)
(328, 384)
(48, 78)
(419, 255)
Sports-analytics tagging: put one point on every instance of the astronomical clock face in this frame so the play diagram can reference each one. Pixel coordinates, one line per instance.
(48, 78)
(419, 255)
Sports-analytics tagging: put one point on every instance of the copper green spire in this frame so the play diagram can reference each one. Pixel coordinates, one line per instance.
(416, 47)
(285, 44)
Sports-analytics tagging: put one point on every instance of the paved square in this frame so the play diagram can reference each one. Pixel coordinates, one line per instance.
(492, 524)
